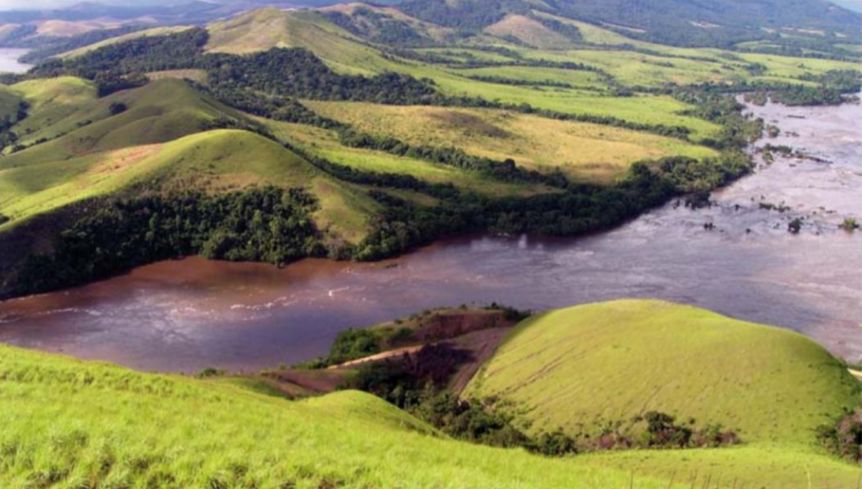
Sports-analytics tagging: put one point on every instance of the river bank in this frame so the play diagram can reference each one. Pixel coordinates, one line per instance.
(735, 257)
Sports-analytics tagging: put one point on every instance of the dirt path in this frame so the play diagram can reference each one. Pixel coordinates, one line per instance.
(856, 373)
(377, 357)
(481, 344)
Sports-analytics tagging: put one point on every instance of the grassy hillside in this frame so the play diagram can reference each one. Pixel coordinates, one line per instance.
(213, 161)
(675, 22)
(72, 424)
(51, 101)
(584, 151)
(91, 152)
(325, 143)
(66, 112)
(528, 31)
(612, 361)
(582, 368)
(69, 423)
(264, 29)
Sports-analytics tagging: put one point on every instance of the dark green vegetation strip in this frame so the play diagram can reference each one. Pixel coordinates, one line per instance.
(268, 225)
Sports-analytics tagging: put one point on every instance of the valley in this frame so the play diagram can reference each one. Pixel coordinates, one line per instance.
(430, 244)
(250, 316)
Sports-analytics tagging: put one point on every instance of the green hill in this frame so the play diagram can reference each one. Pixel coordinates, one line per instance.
(156, 143)
(212, 161)
(264, 29)
(67, 113)
(595, 367)
(607, 362)
(74, 424)
(677, 22)
(70, 423)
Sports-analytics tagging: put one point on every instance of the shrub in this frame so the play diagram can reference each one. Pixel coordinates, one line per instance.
(351, 344)
(117, 108)
(850, 224)
(795, 225)
(845, 437)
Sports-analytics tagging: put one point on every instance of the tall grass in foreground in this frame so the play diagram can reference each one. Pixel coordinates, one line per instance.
(70, 424)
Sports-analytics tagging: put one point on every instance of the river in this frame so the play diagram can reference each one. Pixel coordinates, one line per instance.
(189, 314)
(9, 60)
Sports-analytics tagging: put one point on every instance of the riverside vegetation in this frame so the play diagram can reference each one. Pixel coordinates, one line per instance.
(359, 132)
(379, 191)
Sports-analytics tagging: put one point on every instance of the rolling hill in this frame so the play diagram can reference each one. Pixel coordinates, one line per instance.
(597, 367)
(405, 124)
(74, 423)
(676, 22)
(587, 152)
(606, 362)
(264, 29)
(161, 130)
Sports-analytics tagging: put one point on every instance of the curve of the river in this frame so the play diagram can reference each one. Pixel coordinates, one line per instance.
(190, 314)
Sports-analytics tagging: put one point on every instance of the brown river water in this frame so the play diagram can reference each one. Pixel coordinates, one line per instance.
(190, 314)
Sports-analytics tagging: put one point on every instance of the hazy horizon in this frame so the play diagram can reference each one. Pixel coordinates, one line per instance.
(51, 4)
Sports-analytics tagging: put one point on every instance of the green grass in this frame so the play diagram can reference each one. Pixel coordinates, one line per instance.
(68, 424)
(213, 161)
(615, 360)
(643, 109)
(579, 368)
(67, 113)
(790, 67)
(589, 152)
(51, 101)
(325, 144)
(268, 28)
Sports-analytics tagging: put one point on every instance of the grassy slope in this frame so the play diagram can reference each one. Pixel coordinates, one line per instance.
(268, 28)
(325, 144)
(157, 136)
(214, 161)
(75, 424)
(612, 361)
(586, 151)
(158, 112)
(51, 101)
(528, 31)
(264, 29)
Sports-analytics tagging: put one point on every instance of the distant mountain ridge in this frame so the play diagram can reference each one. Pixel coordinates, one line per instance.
(676, 22)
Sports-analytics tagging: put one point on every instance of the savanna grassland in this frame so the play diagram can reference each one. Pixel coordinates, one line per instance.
(593, 369)
(69, 423)
(358, 132)
(72, 423)
(473, 127)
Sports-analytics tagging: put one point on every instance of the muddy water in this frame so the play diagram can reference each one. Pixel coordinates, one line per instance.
(190, 314)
